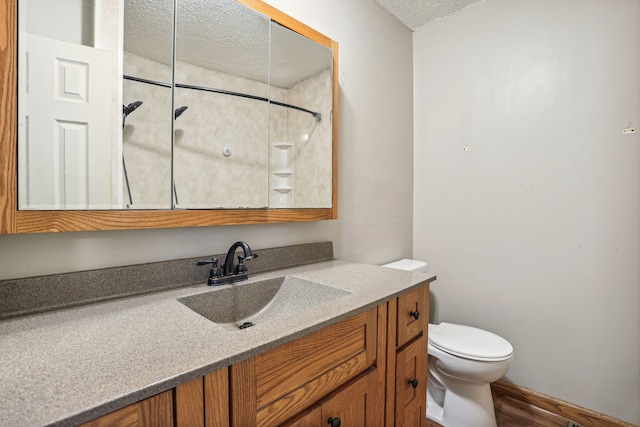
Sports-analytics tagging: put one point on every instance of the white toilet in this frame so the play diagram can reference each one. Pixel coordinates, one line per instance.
(463, 361)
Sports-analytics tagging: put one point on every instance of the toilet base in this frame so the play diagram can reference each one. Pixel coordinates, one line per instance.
(462, 404)
(434, 409)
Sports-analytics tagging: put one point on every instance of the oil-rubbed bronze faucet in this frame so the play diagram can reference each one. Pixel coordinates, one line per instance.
(228, 274)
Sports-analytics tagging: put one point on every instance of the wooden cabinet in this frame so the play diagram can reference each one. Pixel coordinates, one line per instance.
(411, 384)
(312, 417)
(354, 404)
(407, 359)
(216, 399)
(413, 315)
(156, 411)
(370, 369)
(279, 384)
(189, 403)
(203, 402)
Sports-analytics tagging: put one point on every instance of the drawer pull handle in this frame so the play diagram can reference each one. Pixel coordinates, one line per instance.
(415, 314)
(414, 383)
(334, 422)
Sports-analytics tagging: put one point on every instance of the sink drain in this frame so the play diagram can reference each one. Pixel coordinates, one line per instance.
(246, 325)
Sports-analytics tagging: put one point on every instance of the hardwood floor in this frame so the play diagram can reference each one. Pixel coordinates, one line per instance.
(517, 406)
(511, 413)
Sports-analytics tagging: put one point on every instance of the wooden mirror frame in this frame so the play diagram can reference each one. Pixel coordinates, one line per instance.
(14, 221)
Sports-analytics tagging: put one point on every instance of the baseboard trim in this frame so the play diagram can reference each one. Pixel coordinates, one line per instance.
(569, 411)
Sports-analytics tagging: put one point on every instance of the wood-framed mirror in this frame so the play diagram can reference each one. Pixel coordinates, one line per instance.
(16, 220)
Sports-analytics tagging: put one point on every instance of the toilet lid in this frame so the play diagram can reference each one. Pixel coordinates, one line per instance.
(469, 342)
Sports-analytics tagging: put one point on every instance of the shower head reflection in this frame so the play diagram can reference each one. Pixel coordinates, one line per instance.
(179, 111)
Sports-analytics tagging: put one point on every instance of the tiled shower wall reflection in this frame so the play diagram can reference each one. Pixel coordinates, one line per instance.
(221, 142)
(147, 135)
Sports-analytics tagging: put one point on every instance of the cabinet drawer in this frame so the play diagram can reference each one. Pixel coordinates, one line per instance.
(293, 376)
(413, 313)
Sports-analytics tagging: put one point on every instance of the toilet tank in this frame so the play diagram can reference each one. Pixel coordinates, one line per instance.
(408, 265)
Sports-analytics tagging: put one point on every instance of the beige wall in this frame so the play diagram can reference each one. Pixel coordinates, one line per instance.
(375, 206)
(535, 232)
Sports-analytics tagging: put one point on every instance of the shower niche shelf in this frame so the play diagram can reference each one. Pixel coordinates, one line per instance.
(281, 182)
(283, 190)
(283, 145)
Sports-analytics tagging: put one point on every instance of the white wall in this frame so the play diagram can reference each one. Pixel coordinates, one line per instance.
(375, 203)
(535, 232)
(78, 25)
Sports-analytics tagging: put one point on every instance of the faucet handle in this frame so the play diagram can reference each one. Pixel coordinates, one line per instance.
(249, 257)
(241, 268)
(213, 261)
(215, 271)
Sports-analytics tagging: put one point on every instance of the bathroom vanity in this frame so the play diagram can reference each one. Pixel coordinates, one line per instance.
(359, 357)
(333, 376)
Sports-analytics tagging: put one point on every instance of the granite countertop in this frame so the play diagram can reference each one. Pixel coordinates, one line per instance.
(70, 366)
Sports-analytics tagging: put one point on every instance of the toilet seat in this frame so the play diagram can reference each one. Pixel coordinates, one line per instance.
(469, 342)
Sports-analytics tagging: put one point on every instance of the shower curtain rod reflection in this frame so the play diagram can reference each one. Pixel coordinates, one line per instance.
(317, 116)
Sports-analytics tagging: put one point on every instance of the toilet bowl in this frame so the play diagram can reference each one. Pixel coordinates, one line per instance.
(463, 361)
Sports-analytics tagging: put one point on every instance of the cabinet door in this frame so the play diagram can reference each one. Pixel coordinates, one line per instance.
(411, 384)
(353, 405)
(156, 411)
(271, 387)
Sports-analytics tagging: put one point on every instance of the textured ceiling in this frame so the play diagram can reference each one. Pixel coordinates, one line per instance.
(416, 13)
(221, 35)
(225, 36)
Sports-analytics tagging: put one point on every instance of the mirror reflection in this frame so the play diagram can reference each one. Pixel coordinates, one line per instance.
(222, 76)
(300, 126)
(147, 104)
(109, 119)
(68, 100)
